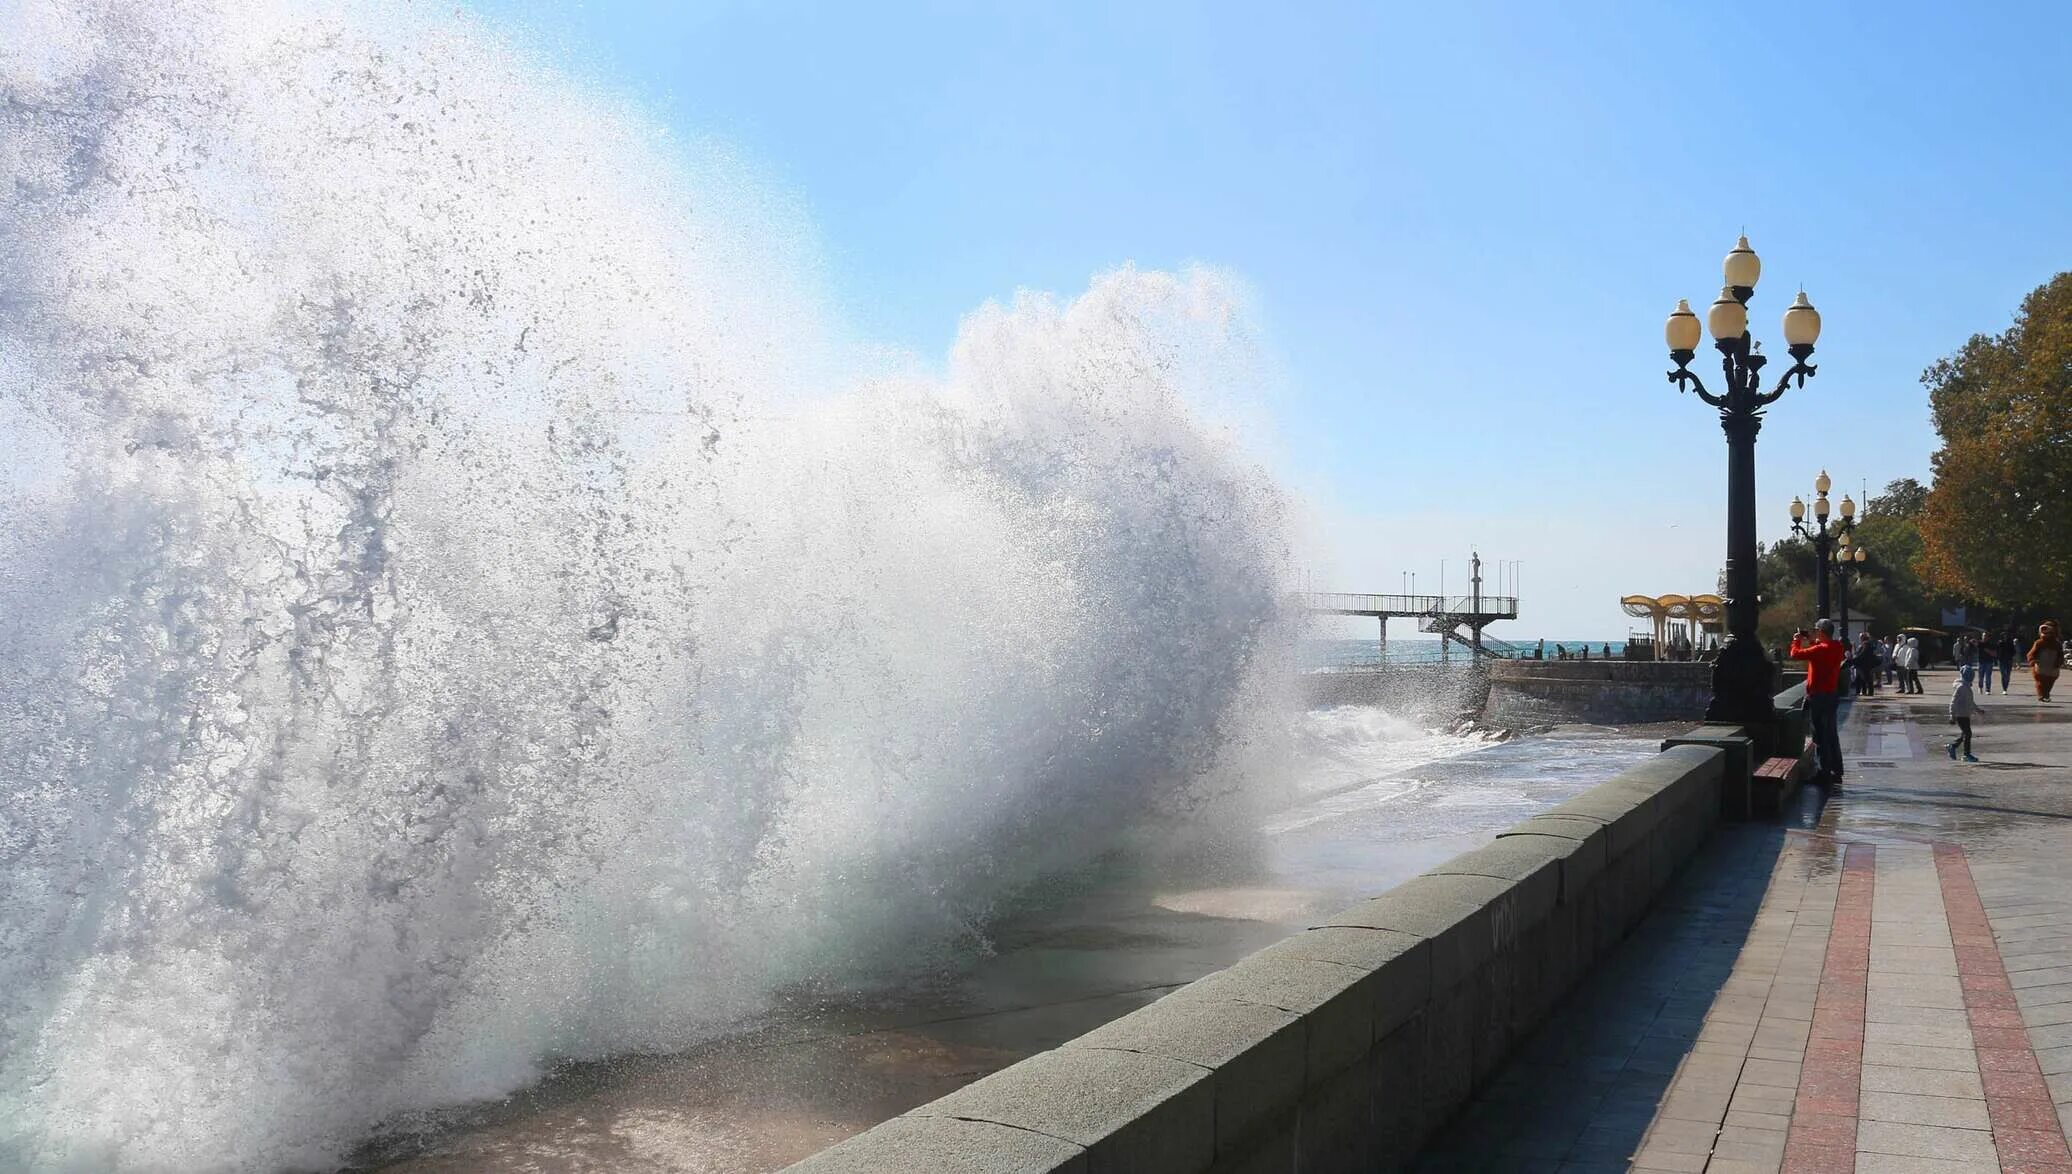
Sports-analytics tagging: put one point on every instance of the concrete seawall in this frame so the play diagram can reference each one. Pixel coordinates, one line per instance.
(1429, 691)
(1344, 1047)
(1525, 692)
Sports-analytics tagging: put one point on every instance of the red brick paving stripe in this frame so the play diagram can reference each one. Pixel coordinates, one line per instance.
(2026, 1130)
(1823, 1119)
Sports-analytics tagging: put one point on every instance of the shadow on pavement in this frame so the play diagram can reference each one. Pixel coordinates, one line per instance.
(1962, 801)
(1584, 1089)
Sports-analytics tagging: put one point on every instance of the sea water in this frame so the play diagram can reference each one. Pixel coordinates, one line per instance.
(466, 603)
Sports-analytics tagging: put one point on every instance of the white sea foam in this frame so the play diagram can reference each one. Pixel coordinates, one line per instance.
(461, 607)
(1350, 744)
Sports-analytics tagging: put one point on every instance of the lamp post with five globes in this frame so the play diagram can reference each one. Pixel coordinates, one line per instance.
(1742, 677)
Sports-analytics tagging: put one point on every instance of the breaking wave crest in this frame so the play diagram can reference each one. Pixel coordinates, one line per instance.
(463, 607)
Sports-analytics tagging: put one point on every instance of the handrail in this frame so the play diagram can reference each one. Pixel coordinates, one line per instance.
(1364, 603)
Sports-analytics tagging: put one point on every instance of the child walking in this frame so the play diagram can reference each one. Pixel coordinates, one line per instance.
(1963, 707)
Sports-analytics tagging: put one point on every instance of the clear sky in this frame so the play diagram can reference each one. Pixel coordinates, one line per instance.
(1463, 224)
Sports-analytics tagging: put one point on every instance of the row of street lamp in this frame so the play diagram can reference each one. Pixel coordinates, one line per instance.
(1836, 546)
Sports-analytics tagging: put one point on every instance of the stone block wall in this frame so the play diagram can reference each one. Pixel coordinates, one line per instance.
(1528, 692)
(1344, 1047)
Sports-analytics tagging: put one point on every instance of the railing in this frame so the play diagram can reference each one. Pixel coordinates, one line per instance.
(1481, 605)
(1349, 603)
(1352, 603)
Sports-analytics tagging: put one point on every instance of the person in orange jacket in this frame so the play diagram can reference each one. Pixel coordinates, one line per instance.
(1823, 655)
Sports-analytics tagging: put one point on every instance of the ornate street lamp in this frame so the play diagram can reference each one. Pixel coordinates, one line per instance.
(1849, 561)
(1743, 678)
(1820, 536)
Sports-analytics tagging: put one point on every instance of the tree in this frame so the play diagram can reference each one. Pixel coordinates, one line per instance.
(1995, 526)
(1785, 612)
(1890, 533)
(1903, 498)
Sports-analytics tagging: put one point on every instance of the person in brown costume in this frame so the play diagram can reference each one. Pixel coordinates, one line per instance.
(2046, 658)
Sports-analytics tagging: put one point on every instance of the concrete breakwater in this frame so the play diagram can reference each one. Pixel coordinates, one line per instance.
(1524, 692)
(1344, 1047)
(1610, 692)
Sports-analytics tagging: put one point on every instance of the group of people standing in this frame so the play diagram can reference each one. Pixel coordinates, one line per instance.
(1561, 652)
(1895, 660)
(1898, 660)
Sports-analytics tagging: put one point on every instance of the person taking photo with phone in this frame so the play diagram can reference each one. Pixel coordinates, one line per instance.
(1823, 655)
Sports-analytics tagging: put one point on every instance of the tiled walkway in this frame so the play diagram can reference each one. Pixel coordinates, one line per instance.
(1884, 984)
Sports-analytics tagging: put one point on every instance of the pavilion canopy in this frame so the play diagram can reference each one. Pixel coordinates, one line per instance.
(1687, 616)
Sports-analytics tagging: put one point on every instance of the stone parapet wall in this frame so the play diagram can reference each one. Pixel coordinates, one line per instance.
(1344, 1047)
(1536, 692)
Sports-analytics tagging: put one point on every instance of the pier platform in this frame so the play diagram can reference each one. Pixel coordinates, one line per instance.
(1455, 619)
(1884, 984)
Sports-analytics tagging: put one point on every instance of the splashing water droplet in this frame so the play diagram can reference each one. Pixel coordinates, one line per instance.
(463, 609)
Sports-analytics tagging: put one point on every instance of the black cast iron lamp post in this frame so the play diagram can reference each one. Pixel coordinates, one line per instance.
(1743, 678)
(1820, 536)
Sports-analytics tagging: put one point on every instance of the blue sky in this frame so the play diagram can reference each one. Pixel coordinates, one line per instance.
(1463, 224)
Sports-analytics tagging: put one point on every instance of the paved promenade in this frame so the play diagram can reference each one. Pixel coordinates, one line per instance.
(1883, 984)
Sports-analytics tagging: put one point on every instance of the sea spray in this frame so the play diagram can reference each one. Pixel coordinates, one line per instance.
(462, 608)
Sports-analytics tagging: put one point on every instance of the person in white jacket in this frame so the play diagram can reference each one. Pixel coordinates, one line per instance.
(1910, 665)
(1963, 707)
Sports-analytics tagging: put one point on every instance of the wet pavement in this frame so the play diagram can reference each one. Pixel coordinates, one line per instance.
(1882, 983)
(815, 1072)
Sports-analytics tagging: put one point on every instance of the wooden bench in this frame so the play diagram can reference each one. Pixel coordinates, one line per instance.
(1774, 782)
(1780, 769)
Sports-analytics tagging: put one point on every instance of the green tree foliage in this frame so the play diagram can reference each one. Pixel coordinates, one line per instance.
(1783, 566)
(1785, 611)
(1890, 532)
(1996, 526)
(1903, 497)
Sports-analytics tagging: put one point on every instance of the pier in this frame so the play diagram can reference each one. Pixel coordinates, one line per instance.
(1455, 619)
